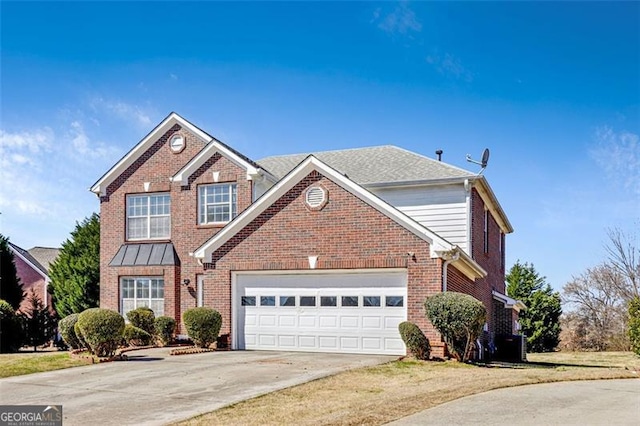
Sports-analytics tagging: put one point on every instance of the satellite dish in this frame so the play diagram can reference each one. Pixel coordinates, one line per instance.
(483, 162)
(485, 158)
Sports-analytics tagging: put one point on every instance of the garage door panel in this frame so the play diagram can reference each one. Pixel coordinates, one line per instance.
(353, 313)
(287, 320)
(393, 344)
(328, 321)
(307, 342)
(370, 322)
(372, 343)
(307, 321)
(287, 341)
(349, 321)
(268, 340)
(267, 320)
(328, 342)
(251, 319)
(349, 343)
(392, 323)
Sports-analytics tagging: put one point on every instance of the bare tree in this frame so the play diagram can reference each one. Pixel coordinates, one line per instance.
(624, 257)
(599, 306)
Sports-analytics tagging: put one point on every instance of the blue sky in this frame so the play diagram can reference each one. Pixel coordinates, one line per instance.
(553, 89)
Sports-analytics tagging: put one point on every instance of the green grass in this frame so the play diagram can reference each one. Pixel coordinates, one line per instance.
(28, 362)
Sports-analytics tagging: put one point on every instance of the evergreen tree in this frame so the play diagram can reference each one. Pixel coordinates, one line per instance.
(10, 285)
(75, 275)
(540, 322)
(39, 323)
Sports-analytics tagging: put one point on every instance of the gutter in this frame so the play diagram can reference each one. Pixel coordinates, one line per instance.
(450, 258)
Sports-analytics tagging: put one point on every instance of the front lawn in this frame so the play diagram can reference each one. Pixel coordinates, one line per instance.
(377, 395)
(21, 363)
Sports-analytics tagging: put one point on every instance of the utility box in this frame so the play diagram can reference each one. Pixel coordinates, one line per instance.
(510, 347)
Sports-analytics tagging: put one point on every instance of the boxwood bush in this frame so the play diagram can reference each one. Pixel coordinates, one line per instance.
(135, 336)
(415, 340)
(203, 325)
(101, 329)
(164, 329)
(459, 318)
(11, 333)
(142, 318)
(66, 326)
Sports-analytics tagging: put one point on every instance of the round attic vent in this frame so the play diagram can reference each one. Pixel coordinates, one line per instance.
(316, 197)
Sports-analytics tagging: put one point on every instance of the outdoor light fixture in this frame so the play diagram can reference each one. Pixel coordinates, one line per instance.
(186, 281)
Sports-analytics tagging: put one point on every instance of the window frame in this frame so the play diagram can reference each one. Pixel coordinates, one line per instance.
(232, 188)
(148, 216)
(135, 298)
(486, 231)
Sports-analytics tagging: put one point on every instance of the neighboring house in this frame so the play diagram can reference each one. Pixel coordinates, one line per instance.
(32, 267)
(326, 252)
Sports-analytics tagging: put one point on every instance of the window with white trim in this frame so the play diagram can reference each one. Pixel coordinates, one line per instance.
(148, 217)
(142, 291)
(217, 203)
(486, 231)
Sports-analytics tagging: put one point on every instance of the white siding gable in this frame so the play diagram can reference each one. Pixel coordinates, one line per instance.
(442, 209)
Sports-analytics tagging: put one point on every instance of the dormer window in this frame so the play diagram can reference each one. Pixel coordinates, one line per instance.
(148, 217)
(217, 204)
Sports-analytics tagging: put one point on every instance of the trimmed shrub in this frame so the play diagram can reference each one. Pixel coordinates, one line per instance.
(81, 341)
(142, 318)
(203, 325)
(164, 329)
(634, 324)
(459, 318)
(134, 336)
(66, 326)
(11, 334)
(101, 329)
(415, 340)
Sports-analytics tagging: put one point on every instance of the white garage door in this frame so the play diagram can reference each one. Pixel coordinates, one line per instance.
(321, 312)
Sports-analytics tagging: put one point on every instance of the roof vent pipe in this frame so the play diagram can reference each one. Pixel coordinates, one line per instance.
(439, 154)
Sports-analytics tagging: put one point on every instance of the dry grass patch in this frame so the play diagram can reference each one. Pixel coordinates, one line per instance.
(377, 395)
(37, 362)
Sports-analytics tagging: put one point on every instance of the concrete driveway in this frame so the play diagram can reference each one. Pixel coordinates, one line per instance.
(154, 388)
(593, 402)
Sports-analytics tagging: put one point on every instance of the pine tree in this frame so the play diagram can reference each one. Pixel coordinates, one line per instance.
(10, 285)
(39, 323)
(541, 320)
(75, 275)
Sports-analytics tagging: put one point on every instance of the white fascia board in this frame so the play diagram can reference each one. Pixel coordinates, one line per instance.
(28, 262)
(508, 302)
(469, 267)
(205, 153)
(437, 243)
(492, 203)
(100, 187)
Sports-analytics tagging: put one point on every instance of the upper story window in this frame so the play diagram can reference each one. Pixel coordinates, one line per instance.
(148, 217)
(217, 203)
(486, 231)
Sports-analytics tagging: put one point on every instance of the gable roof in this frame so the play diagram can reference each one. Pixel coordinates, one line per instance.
(372, 165)
(29, 260)
(210, 149)
(44, 255)
(439, 247)
(390, 165)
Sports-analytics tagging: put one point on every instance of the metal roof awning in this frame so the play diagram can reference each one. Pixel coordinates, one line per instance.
(162, 254)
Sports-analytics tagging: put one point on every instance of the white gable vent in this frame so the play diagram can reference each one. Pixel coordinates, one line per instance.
(316, 197)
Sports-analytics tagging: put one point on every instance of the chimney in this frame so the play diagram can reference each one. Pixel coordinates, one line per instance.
(439, 154)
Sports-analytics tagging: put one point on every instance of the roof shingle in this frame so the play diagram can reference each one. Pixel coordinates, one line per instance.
(373, 165)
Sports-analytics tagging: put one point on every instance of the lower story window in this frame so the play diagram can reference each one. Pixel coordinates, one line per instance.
(138, 292)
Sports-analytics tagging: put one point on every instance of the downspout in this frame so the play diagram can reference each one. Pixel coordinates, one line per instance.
(452, 258)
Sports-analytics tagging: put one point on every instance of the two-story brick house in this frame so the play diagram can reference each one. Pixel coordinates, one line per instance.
(326, 252)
